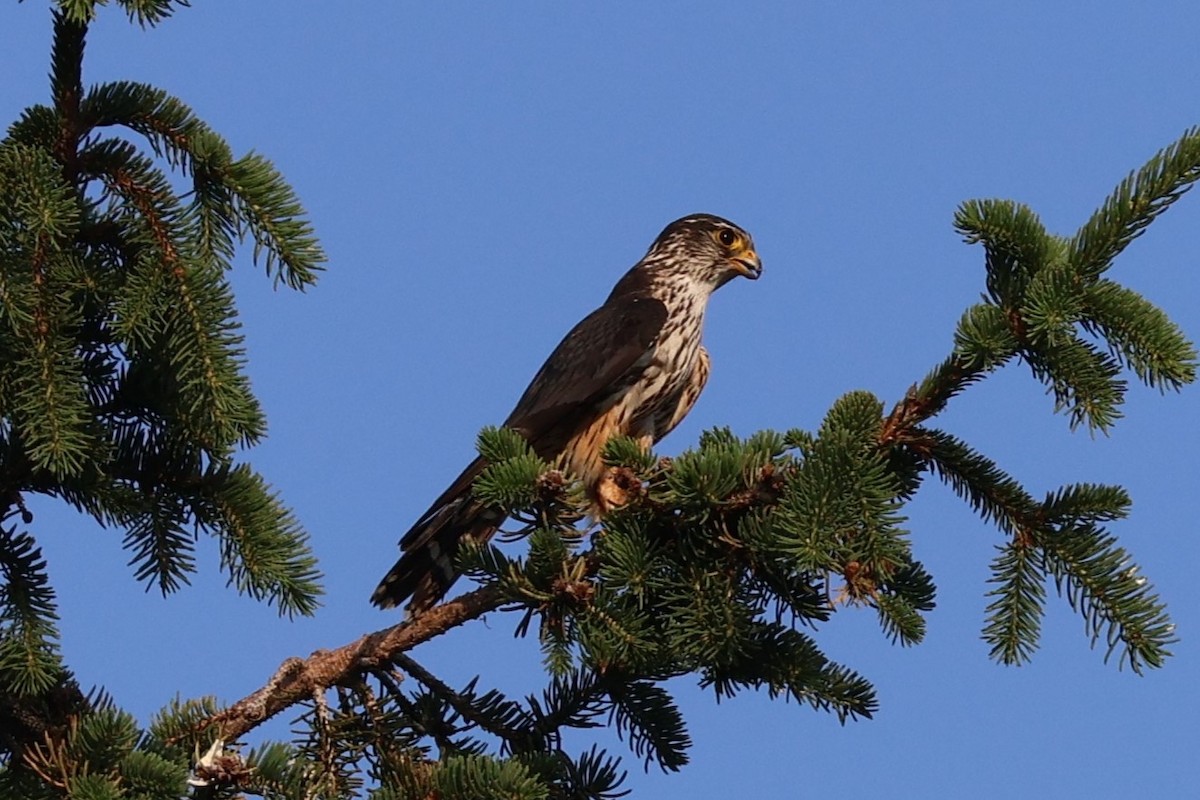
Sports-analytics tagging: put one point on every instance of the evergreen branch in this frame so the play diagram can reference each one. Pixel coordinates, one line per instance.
(173, 730)
(1086, 503)
(703, 622)
(151, 12)
(502, 718)
(983, 342)
(1050, 308)
(263, 547)
(39, 209)
(142, 772)
(632, 561)
(841, 690)
(1016, 244)
(215, 226)
(572, 700)
(423, 716)
(45, 399)
(196, 308)
(799, 594)
(228, 193)
(899, 621)
(29, 657)
(1134, 204)
(557, 645)
(596, 776)
(1096, 576)
(162, 551)
(140, 310)
(472, 777)
(1015, 616)
(840, 502)
(170, 127)
(930, 397)
(49, 406)
(297, 679)
(510, 484)
(175, 134)
(496, 444)
(187, 304)
(790, 664)
(1083, 380)
(1100, 581)
(37, 128)
(272, 211)
(97, 756)
(276, 771)
(1139, 335)
(991, 492)
(904, 595)
(215, 391)
(27, 721)
(66, 83)
(646, 714)
(625, 451)
(485, 560)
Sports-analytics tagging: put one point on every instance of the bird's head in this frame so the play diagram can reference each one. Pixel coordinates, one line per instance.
(707, 249)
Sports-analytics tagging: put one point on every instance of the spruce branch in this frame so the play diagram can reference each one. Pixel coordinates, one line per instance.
(78, 11)
(48, 406)
(1139, 335)
(501, 718)
(1086, 503)
(470, 777)
(1016, 244)
(169, 126)
(298, 679)
(231, 196)
(647, 716)
(1103, 584)
(29, 655)
(283, 238)
(573, 700)
(263, 547)
(1051, 307)
(1015, 615)
(1134, 204)
(66, 82)
(1056, 537)
(162, 548)
(148, 13)
(1083, 381)
(122, 385)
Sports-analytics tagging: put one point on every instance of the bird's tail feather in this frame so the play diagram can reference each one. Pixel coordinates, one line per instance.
(426, 571)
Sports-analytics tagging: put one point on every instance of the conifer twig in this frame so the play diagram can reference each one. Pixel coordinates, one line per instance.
(297, 679)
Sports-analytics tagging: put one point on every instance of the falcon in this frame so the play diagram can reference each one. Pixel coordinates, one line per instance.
(633, 367)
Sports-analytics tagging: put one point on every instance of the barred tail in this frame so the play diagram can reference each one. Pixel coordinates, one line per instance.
(425, 571)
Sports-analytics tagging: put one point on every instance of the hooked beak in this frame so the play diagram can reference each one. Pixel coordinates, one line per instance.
(747, 264)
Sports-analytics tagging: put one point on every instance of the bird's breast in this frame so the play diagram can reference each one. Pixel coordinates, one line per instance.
(650, 392)
(665, 377)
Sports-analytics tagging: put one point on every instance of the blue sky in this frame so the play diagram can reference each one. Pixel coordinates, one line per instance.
(480, 175)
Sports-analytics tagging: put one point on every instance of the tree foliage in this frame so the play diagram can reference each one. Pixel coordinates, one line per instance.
(123, 386)
(123, 391)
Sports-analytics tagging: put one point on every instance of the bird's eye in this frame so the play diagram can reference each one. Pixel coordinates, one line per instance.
(726, 237)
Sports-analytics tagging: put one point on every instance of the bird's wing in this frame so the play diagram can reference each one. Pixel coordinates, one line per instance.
(591, 363)
(587, 365)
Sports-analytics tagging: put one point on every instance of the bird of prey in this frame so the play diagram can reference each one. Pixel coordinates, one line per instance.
(633, 367)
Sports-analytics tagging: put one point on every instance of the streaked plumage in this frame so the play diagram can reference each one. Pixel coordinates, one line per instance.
(634, 367)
